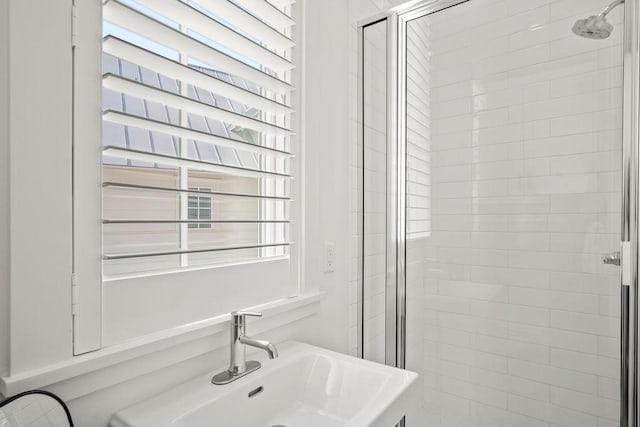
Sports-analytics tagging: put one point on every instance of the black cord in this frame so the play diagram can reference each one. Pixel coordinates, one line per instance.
(44, 392)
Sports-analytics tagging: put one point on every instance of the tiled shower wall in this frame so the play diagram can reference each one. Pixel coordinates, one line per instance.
(418, 197)
(520, 316)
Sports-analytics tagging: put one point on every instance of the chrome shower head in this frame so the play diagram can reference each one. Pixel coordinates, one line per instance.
(596, 27)
(593, 27)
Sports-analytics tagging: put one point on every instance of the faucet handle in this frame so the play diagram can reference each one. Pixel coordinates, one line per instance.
(241, 314)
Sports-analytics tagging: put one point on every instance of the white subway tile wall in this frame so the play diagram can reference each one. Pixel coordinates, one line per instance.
(419, 174)
(418, 195)
(519, 319)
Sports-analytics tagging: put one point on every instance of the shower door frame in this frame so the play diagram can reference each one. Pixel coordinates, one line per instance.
(629, 355)
(399, 101)
(393, 218)
(395, 278)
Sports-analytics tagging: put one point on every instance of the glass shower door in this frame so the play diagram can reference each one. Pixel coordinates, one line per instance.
(373, 169)
(513, 193)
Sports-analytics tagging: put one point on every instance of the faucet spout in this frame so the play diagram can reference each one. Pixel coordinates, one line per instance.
(239, 366)
(262, 344)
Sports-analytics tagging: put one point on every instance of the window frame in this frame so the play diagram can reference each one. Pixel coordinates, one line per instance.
(91, 293)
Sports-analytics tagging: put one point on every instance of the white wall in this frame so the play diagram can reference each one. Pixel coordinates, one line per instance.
(4, 188)
(326, 146)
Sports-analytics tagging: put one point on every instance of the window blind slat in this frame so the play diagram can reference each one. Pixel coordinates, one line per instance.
(192, 251)
(140, 90)
(192, 221)
(186, 133)
(145, 58)
(139, 23)
(197, 21)
(143, 156)
(189, 191)
(267, 12)
(281, 3)
(249, 24)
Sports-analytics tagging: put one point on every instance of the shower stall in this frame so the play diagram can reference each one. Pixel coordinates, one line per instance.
(498, 144)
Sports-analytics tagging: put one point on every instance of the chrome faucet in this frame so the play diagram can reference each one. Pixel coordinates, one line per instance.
(239, 366)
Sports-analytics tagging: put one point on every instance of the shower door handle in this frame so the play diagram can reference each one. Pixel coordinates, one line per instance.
(612, 258)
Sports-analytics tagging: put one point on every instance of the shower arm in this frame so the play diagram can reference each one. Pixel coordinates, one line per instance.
(609, 8)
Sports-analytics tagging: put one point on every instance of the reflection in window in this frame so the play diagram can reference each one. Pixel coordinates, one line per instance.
(199, 209)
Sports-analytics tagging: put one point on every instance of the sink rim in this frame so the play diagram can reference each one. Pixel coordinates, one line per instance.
(185, 399)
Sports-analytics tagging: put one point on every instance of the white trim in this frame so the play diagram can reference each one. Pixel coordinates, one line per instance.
(162, 273)
(76, 371)
(40, 132)
(4, 188)
(87, 179)
(298, 124)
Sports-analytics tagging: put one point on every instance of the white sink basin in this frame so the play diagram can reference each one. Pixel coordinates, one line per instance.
(305, 387)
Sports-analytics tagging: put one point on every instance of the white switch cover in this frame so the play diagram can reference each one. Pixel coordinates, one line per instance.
(329, 257)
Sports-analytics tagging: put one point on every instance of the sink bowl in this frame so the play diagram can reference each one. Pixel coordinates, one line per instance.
(306, 386)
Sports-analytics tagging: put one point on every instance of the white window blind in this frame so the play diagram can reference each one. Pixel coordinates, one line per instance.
(196, 107)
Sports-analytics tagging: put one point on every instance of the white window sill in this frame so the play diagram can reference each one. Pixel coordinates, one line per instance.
(71, 372)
